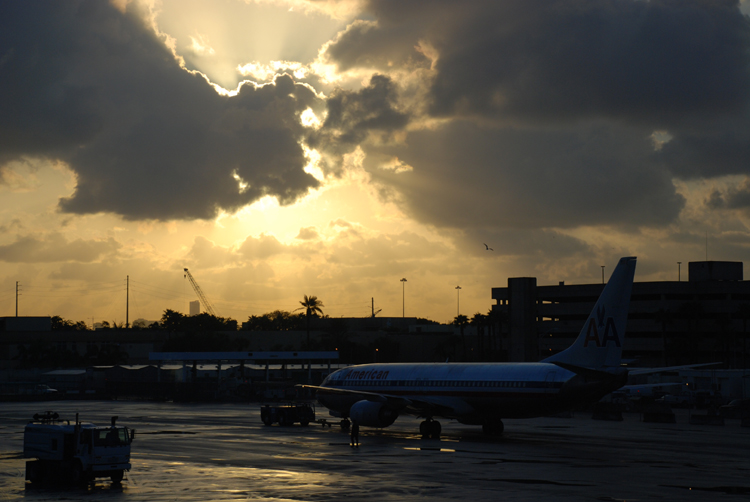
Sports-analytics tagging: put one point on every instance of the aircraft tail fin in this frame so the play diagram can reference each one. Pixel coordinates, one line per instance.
(599, 345)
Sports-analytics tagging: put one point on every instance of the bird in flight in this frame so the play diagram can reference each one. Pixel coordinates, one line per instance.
(487, 247)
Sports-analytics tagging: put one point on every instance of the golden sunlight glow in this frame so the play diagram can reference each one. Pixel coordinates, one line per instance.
(243, 185)
(265, 203)
(19, 176)
(336, 9)
(397, 166)
(200, 46)
(312, 168)
(267, 72)
(309, 119)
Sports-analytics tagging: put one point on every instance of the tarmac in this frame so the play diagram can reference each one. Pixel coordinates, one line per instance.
(201, 452)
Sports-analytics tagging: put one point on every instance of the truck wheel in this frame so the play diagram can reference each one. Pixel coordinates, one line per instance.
(35, 471)
(116, 477)
(267, 419)
(78, 476)
(304, 422)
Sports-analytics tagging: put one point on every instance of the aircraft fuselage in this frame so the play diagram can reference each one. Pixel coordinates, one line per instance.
(468, 392)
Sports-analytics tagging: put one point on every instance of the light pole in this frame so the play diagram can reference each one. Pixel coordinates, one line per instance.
(403, 297)
(458, 301)
(602, 274)
(679, 266)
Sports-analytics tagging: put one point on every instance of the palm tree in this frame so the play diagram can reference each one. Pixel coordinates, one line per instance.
(479, 321)
(312, 307)
(461, 321)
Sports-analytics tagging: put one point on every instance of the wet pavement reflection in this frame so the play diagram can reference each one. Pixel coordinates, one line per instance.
(185, 452)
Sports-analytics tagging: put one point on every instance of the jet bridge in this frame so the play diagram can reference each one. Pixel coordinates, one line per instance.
(263, 358)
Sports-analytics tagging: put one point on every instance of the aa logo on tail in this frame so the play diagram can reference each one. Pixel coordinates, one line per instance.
(610, 333)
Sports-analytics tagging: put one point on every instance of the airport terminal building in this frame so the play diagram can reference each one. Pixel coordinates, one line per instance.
(703, 319)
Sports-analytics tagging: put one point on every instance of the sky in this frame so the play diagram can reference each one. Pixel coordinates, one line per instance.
(282, 148)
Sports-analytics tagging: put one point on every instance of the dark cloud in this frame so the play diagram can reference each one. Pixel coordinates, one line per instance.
(650, 61)
(81, 82)
(56, 248)
(369, 114)
(655, 61)
(352, 115)
(466, 176)
(564, 96)
(527, 244)
(713, 148)
(736, 197)
(382, 46)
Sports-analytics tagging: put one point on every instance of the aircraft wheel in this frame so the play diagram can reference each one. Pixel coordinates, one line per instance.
(435, 429)
(424, 429)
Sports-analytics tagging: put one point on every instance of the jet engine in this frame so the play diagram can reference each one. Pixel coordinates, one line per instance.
(372, 414)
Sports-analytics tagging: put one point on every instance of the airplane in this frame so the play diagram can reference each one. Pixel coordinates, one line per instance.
(374, 395)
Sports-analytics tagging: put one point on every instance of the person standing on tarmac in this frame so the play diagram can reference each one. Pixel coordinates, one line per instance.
(355, 434)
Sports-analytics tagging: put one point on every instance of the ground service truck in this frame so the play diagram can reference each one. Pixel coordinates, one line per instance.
(77, 453)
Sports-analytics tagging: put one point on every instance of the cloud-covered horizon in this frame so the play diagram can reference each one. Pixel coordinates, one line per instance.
(86, 84)
(553, 102)
(563, 132)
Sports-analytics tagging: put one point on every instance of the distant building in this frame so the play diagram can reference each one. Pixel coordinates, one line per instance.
(26, 323)
(195, 308)
(703, 319)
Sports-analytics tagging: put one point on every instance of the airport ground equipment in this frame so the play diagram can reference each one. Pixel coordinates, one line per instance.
(287, 414)
(78, 452)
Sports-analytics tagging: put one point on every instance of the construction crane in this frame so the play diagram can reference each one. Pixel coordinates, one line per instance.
(204, 301)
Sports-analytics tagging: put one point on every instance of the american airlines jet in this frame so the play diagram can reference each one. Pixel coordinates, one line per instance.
(483, 394)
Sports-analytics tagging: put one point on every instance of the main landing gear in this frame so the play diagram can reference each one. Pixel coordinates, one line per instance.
(493, 428)
(430, 429)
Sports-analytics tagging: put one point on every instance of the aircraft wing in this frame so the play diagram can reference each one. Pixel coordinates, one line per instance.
(413, 406)
(650, 386)
(397, 402)
(648, 371)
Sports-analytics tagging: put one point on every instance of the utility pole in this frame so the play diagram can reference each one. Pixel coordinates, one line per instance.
(16, 298)
(127, 301)
(458, 301)
(679, 265)
(372, 307)
(602, 274)
(403, 297)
